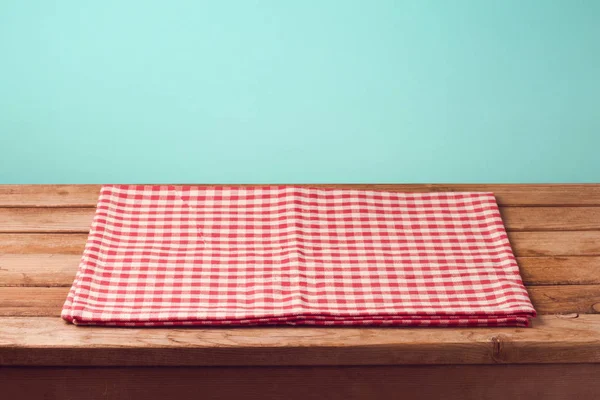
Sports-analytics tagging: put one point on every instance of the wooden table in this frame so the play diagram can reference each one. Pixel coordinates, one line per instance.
(555, 234)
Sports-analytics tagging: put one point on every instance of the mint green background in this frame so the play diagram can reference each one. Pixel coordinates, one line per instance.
(299, 91)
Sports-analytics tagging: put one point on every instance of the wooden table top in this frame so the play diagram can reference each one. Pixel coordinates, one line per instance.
(554, 231)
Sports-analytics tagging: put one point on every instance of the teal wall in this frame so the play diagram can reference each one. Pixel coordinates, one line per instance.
(299, 91)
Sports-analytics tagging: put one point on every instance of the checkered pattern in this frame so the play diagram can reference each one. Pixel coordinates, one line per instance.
(173, 255)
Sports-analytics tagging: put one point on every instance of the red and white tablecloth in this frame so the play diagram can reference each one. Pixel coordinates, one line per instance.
(173, 255)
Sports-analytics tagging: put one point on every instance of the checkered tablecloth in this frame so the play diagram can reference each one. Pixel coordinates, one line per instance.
(187, 255)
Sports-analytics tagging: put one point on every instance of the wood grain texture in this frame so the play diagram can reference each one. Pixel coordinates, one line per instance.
(48, 301)
(42, 243)
(49, 195)
(506, 194)
(59, 270)
(78, 220)
(551, 218)
(465, 382)
(30, 220)
(584, 299)
(538, 244)
(559, 270)
(38, 269)
(32, 301)
(525, 244)
(52, 342)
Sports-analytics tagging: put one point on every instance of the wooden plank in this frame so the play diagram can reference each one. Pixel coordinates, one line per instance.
(584, 299)
(48, 301)
(49, 195)
(558, 270)
(538, 244)
(465, 382)
(38, 269)
(525, 244)
(32, 301)
(551, 218)
(506, 194)
(59, 270)
(36, 243)
(29, 220)
(51, 342)
(52, 259)
(78, 220)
